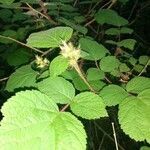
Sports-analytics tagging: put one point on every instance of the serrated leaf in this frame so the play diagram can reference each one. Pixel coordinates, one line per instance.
(88, 105)
(132, 61)
(113, 95)
(24, 76)
(95, 50)
(50, 38)
(32, 119)
(124, 68)
(111, 17)
(58, 65)
(59, 89)
(134, 116)
(127, 43)
(109, 63)
(138, 84)
(95, 74)
(143, 60)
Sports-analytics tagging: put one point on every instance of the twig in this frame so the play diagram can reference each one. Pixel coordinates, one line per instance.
(42, 14)
(101, 129)
(112, 3)
(6, 78)
(9, 38)
(144, 67)
(65, 107)
(114, 133)
(100, 146)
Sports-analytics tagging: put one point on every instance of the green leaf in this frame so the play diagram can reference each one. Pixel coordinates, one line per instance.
(113, 95)
(115, 73)
(111, 17)
(132, 61)
(95, 51)
(59, 89)
(73, 25)
(8, 33)
(134, 116)
(88, 105)
(95, 74)
(18, 57)
(138, 84)
(117, 31)
(138, 68)
(58, 65)
(145, 148)
(143, 60)
(50, 38)
(109, 63)
(32, 119)
(7, 2)
(127, 43)
(124, 68)
(24, 76)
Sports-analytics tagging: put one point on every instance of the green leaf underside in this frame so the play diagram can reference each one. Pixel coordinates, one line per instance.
(134, 116)
(88, 105)
(32, 119)
(111, 17)
(113, 95)
(58, 66)
(59, 89)
(109, 63)
(25, 76)
(94, 50)
(138, 84)
(50, 38)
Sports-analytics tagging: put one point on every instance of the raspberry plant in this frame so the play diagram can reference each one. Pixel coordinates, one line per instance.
(50, 95)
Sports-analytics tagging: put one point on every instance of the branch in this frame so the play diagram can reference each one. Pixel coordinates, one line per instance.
(9, 38)
(144, 67)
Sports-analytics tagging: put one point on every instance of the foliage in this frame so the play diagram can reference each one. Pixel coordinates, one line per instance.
(66, 74)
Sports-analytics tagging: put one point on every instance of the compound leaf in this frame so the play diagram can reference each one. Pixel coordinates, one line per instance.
(32, 119)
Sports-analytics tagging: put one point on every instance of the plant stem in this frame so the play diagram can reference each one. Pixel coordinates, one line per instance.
(76, 67)
(9, 38)
(144, 67)
(65, 107)
(115, 138)
(42, 14)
